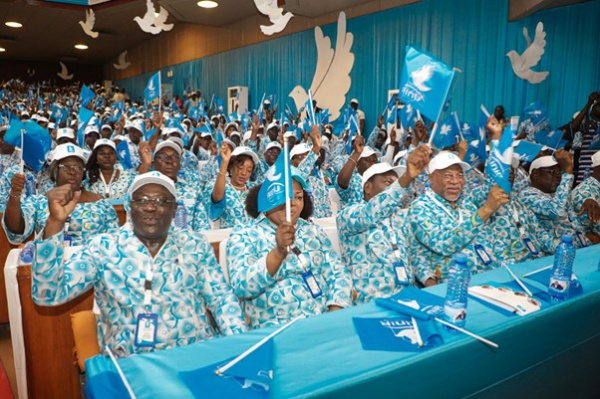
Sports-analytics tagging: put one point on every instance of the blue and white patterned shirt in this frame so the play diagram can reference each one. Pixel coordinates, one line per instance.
(231, 210)
(590, 188)
(117, 189)
(189, 191)
(186, 280)
(276, 300)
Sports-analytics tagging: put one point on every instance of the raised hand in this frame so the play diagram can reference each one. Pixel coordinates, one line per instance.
(17, 184)
(317, 140)
(225, 152)
(359, 144)
(494, 127)
(285, 236)
(61, 202)
(417, 160)
(565, 160)
(592, 208)
(496, 198)
(462, 146)
(145, 152)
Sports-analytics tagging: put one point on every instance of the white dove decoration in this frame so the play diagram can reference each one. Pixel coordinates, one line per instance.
(332, 74)
(122, 64)
(64, 73)
(422, 75)
(522, 64)
(278, 19)
(88, 25)
(153, 24)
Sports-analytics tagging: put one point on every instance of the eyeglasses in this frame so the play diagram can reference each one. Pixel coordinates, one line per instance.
(165, 158)
(71, 168)
(145, 201)
(447, 177)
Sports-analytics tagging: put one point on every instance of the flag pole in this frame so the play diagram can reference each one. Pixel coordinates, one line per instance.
(254, 347)
(22, 150)
(159, 92)
(287, 177)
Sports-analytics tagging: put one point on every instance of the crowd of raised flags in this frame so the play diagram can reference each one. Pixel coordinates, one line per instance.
(400, 226)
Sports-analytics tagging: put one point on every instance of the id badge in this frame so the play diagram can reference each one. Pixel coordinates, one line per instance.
(482, 254)
(311, 284)
(145, 332)
(529, 245)
(580, 238)
(68, 241)
(400, 273)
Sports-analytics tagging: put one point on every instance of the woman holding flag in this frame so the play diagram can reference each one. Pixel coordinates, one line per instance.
(281, 265)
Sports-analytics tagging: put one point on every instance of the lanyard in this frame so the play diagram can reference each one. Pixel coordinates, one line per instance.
(445, 209)
(148, 284)
(107, 187)
(393, 240)
(515, 218)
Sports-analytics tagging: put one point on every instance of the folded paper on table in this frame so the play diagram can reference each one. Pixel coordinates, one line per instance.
(505, 297)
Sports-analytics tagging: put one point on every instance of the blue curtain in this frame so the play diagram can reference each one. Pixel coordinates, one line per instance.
(472, 35)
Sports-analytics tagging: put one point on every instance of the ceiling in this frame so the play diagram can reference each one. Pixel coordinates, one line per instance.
(51, 29)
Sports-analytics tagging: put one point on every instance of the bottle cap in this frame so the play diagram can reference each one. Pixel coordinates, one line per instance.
(567, 238)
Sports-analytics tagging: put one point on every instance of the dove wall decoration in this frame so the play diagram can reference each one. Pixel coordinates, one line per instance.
(331, 81)
(278, 19)
(88, 25)
(150, 23)
(64, 73)
(122, 64)
(522, 64)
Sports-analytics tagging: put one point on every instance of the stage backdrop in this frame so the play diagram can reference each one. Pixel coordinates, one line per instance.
(472, 35)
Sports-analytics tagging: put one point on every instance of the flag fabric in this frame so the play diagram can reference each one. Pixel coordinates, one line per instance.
(116, 111)
(483, 117)
(390, 104)
(219, 105)
(35, 144)
(86, 95)
(59, 114)
(449, 133)
(152, 90)
(85, 115)
(527, 151)
(395, 334)
(415, 303)
(498, 164)
(536, 112)
(476, 149)
(310, 111)
(353, 128)
(124, 155)
(250, 378)
(272, 192)
(394, 115)
(549, 138)
(408, 116)
(425, 82)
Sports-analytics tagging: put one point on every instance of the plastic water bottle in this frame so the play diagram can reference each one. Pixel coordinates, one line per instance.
(455, 306)
(181, 216)
(30, 186)
(26, 254)
(560, 279)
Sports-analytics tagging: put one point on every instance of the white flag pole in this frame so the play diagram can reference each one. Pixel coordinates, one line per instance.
(121, 374)
(287, 177)
(22, 150)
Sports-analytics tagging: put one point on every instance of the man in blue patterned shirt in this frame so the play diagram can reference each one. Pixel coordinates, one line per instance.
(152, 282)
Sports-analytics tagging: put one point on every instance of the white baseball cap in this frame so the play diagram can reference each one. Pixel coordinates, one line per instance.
(272, 144)
(153, 178)
(272, 125)
(68, 150)
(90, 129)
(177, 140)
(267, 102)
(244, 150)
(108, 127)
(65, 132)
(380, 168)
(368, 151)
(399, 156)
(542, 162)
(354, 100)
(596, 159)
(444, 160)
(301, 148)
(101, 142)
(167, 144)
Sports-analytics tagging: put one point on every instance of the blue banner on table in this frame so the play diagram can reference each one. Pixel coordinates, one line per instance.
(449, 133)
(152, 90)
(498, 164)
(124, 155)
(425, 82)
(396, 334)
(272, 192)
(36, 142)
(527, 151)
(250, 378)
(414, 303)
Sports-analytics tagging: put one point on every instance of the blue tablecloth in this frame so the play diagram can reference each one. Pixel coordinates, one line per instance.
(322, 356)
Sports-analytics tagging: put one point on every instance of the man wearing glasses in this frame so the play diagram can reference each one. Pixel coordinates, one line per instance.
(443, 223)
(152, 282)
(548, 196)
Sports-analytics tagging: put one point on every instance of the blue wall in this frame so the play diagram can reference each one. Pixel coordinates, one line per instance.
(472, 35)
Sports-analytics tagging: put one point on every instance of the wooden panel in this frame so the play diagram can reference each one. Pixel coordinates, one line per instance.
(5, 248)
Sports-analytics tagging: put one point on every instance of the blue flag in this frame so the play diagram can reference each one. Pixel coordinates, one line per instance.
(415, 303)
(476, 151)
(86, 95)
(310, 110)
(116, 111)
(408, 116)
(85, 115)
(353, 127)
(498, 164)
(425, 82)
(152, 90)
(59, 114)
(449, 133)
(36, 142)
(527, 151)
(272, 191)
(219, 105)
(394, 116)
(536, 112)
(396, 334)
(548, 138)
(124, 155)
(390, 103)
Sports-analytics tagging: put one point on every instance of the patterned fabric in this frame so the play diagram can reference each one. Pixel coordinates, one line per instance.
(118, 189)
(188, 160)
(202, 154)
(87, 219)
(231, 210)
(186, 280)
(440, 232)
(189, 191)
(552, 210)
(276, 300)
(5, 183)
(208, 172)
(134, 154)
(590, 188)
(354, 192)
(320, 194)
(368, 232)
(7, 160)
(582, 140)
